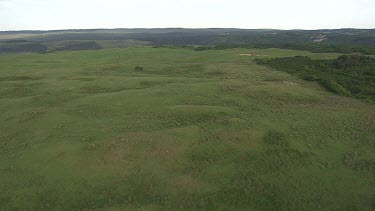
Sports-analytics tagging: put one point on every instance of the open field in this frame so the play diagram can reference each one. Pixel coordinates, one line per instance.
(207, 130)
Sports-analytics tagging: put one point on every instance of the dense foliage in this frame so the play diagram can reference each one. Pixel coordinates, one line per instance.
(315, 48)
(322, 48)
(22, 46)
(80, 46)
(352, 75)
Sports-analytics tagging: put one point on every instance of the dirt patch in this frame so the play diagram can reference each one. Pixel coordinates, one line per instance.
(290, 83)
(251, 54)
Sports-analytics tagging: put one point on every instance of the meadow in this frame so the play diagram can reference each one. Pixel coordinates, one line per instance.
(190, 130)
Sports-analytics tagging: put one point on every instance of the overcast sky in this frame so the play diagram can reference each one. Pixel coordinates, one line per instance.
(278, 14)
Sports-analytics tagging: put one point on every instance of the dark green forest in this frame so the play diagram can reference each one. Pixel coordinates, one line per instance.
(348, 75)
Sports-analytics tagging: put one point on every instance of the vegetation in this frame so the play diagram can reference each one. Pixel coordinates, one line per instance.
(314, 48)
(138, 68)
(195, 130)
(348, 75)
(318, 41)
(319, 48)
(80, 46)
(21, 47)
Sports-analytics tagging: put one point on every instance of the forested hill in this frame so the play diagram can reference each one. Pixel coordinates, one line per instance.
(181, 36)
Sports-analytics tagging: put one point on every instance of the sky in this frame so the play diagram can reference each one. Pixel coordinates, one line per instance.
(250, 14)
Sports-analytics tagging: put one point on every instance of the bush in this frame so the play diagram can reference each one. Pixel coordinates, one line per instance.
(138, 68)
(275, 138)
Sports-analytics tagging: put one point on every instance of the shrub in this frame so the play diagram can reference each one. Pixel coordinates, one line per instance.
(335, 87)
(138, 68)
(275, 138)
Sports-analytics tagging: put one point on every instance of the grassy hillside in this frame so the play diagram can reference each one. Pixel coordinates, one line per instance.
(190, 130)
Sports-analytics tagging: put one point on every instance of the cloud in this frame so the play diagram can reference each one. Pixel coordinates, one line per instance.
(55, 14)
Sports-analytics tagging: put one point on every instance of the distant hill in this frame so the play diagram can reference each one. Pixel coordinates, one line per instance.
(350, 38)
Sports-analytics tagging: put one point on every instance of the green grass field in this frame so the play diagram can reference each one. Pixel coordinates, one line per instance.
(208, 130)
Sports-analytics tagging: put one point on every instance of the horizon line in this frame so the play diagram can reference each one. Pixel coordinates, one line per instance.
(76, 29)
